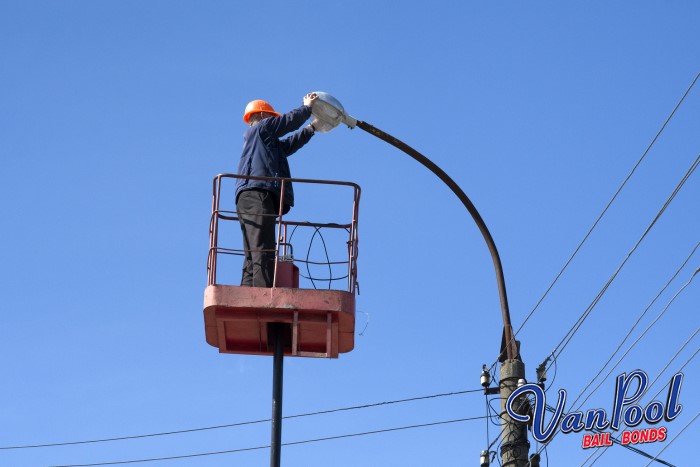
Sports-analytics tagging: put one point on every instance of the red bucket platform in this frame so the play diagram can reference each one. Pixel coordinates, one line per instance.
(321, 323)
(317, 322)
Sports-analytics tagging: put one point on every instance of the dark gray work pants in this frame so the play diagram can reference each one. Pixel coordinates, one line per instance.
(257, 214)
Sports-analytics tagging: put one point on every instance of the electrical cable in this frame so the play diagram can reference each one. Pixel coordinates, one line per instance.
(328, 262)
(495, 451)
(629, 448)
(627, 352)
(624, 339)
(659, 375)
(604, 449)
(362, 333)
(252, 422)
(321, 279)
(495, 441)
(593, 453)
(291, 443)
(679, 371)
(574, 329)
(587, 312)
(549, 408)
(674, 357)
(576, 250)
(674, 438)
(495, 414)
(621, 358)
(488, 419)
(640, 336)
(308, 253)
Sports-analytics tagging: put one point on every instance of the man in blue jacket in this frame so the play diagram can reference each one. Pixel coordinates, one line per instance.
(258, 201)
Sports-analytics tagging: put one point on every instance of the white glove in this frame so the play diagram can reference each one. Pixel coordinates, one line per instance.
(310, 98)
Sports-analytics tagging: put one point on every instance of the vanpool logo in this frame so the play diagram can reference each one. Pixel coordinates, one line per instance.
(625, 411)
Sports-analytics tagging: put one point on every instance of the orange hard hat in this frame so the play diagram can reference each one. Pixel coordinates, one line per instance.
(257, 106)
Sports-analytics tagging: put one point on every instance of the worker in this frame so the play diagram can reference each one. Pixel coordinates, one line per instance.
(258, 201)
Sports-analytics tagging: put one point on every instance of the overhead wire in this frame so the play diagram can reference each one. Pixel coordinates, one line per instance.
(679, 371)
(495, 440)
(624, 339)
(639, 451)
(231, 425)
(549, 408)
(595, 224)
(488, 420)
(554, 363)
(577, 325)
(674, 357)
(627, 352)
(604, 449)
(494, 414)
(291, 443)
(675, 437)
(629, 448)
(546, 455)
(576, 250)
(586, 313)
(641, 336)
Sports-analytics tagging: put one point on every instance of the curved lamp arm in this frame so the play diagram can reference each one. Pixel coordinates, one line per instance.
(508, 346)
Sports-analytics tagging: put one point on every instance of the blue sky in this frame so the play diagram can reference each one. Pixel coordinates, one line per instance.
(116, 116)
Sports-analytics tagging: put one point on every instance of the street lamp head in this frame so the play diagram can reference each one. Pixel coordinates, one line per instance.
(329, 113)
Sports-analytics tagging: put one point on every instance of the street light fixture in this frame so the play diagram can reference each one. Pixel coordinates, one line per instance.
(329, 113)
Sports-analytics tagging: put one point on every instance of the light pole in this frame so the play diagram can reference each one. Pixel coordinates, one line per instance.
(514, 448)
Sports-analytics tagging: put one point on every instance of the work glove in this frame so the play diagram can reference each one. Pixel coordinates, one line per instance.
(310, 98)
(314, 125)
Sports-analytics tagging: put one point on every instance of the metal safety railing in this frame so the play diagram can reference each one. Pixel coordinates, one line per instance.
(283, 247)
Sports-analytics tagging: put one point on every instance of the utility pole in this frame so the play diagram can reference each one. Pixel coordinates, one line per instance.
(514, 444)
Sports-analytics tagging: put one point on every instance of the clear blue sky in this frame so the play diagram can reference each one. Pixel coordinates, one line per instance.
(115, 116)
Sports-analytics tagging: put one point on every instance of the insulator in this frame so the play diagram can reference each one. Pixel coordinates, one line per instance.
(484, 459)
(521, 382)
(485, 377)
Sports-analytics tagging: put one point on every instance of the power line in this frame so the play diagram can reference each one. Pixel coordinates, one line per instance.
(292, 443)
(675, 437)
(574, 329)
(604, 450)
(488, 440)
(586, 313)
(642, 335)
(679, 371)
(624, 182)
(674, 357)
(549, 408)
(633, 449)
(625, 354)
(250, 422)
(624, 339)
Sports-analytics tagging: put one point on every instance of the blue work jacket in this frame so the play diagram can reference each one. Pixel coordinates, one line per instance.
(265, 154)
